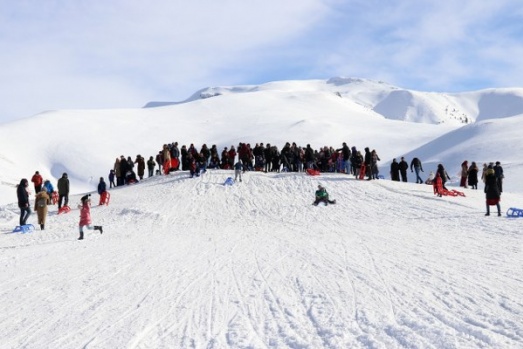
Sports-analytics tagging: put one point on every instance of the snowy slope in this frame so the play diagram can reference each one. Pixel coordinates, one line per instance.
(85, 143)
(190, 263)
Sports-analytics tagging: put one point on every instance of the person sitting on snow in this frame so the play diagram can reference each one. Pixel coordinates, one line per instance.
(322, 196)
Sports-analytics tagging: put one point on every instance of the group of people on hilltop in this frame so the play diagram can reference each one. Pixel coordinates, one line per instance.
(267, 158)
(123, 170)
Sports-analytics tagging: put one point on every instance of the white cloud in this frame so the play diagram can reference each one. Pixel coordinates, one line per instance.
(167, 50)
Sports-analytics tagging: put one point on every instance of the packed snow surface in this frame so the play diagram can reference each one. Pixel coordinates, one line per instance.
(191, 263)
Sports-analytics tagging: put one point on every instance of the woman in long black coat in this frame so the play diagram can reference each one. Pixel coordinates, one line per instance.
(492, 192)
(473, 176)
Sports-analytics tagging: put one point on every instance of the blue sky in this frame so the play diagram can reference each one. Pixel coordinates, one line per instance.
(82, 54)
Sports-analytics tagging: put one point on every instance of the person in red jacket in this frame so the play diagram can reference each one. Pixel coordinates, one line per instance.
(37, 180)
(85, 216)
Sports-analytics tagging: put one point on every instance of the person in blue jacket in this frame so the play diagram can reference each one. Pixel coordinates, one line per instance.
(48, 187)
(101, 186)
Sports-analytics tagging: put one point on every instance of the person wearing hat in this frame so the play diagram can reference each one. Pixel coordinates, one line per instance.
(85, 216)
(63, 190)
(322, 196)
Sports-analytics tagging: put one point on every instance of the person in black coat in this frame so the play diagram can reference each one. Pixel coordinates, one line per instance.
(492, 192)
(404, 166)
(63, 190)
(101, 186)
(23, 201)
(124, 167)
(345, 150)
(473, 176)
(394, 171)
(498, 170)
(367, 160)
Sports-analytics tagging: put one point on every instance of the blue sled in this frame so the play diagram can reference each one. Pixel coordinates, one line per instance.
(26, 228)
(229, 181)
(515, 212)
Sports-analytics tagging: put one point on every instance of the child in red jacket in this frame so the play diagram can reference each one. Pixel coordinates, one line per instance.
(85, 216)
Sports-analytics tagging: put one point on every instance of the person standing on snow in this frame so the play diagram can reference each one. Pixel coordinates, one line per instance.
(23, 201)
(464, 174)
(473, 176)
(498, 170)
(394, 171)
(37, 180)
(141, 165)
(42, 199)
(85, 216)
(63, 190)
(102, 187)
(403, 166)
(238, 168)
(416, 163)
(345, 150)
(492, 192)
(151, 164)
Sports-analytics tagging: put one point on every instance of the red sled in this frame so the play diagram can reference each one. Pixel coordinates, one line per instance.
(166, 166)
(313, 172)
(105, 197)
(54, 197)
(175, 163)
(64, 209)
(362, 171)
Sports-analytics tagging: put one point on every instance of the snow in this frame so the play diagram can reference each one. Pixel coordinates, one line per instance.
(190, 263)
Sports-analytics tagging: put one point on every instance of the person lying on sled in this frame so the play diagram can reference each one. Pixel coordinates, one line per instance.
(322, 196)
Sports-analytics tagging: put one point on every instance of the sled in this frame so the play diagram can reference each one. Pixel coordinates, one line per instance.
(26, 228)
(64, 209)
(229, 181)
(313, 172)
(54, 197)
(166, 167)
(362, 171)
(175, 163)
(105, 197)
(515, 212)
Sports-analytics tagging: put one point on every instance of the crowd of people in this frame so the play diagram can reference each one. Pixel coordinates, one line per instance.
(45, 195)
(267, 158)
(295, 158)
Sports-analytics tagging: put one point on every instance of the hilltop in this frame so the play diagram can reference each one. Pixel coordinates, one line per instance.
(481, 126)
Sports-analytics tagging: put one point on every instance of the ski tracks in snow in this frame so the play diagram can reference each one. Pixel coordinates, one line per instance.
(191, 263)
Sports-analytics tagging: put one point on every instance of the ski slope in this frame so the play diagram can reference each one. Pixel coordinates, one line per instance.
(190, 263)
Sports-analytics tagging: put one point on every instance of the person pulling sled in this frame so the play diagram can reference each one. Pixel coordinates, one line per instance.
(322, 196)
(85, 216)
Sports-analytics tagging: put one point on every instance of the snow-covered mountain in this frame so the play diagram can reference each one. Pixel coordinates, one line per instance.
(481, 126)
(191, 263)
(394, 102)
